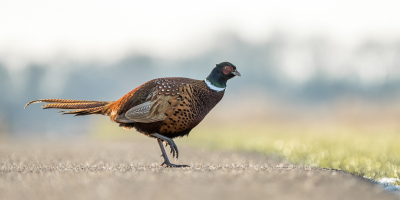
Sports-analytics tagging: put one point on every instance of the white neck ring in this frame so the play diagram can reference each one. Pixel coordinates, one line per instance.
(213, 87)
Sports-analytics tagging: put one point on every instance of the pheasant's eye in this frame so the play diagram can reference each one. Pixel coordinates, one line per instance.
(227, 69)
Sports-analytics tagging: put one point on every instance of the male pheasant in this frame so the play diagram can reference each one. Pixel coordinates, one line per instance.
(162, 108)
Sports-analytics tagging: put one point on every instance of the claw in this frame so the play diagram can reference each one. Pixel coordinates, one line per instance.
(176, 150)
(168, 164)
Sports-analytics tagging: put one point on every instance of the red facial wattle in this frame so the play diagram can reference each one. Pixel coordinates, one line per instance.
(227, 69)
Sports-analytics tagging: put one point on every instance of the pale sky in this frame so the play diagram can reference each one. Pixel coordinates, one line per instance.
(84, 30)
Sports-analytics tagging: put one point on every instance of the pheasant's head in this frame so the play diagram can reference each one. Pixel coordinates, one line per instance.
(221, 74)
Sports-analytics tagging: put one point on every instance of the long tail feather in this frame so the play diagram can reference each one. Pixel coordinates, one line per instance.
(57, 101)
(75, 105)
(90, 111)
(81, 107)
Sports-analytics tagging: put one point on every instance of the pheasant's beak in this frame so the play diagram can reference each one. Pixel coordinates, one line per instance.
(236, 73)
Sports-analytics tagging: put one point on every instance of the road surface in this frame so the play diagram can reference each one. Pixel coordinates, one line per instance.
(84, 169)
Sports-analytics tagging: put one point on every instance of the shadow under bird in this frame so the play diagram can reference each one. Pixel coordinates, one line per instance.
(162, 108)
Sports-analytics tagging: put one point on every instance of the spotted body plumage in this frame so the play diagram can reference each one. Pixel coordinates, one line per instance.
(179, 103)
(162, 108)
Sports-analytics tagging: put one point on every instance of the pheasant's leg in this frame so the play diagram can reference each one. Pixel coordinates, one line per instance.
(170, 142)
(164, 155)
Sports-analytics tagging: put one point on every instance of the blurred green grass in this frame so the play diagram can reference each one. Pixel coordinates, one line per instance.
(369, 153)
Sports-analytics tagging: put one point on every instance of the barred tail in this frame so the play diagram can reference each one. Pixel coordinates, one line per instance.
(81, 107)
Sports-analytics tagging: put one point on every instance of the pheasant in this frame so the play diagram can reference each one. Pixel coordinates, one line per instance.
(163, 108)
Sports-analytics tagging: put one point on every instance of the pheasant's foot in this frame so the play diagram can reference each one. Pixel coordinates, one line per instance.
(162, 139)
(168, 164)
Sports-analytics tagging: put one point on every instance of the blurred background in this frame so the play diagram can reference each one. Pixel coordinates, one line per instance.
(310, 69)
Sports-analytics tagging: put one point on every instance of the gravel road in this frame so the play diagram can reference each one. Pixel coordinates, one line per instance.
(83, 169)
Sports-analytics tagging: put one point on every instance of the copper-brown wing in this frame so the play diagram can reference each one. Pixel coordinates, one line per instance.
(161, 100)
